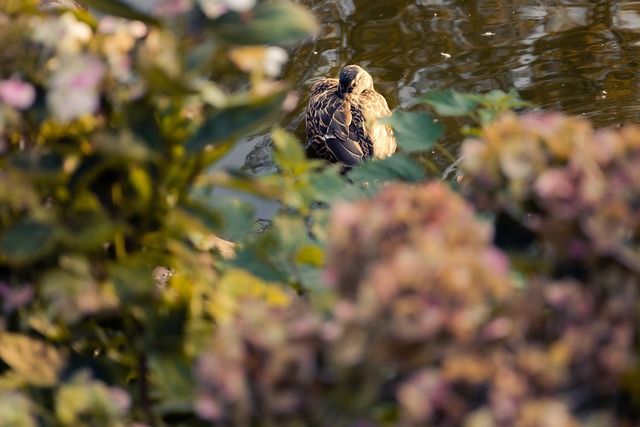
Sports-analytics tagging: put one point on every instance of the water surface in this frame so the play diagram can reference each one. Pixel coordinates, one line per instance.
(573, 56)
(577, 57)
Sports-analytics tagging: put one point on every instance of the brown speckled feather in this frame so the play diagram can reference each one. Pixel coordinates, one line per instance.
(339, 125)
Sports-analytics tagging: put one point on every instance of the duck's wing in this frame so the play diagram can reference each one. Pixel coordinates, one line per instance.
(374, 106)
(330, 125)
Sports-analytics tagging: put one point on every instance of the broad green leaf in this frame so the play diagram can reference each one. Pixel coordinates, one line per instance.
(161, 80)
(268, 187)
(414, 130)
(288, 152)
(34, 361)
(237, 218)
(38, 162)
(487, 116)
(141, 117)
(92, 234)
(120, 8)
(396, 167)
(131, 278)
(268, 23)
(326, 185)
(255, 260)
(233, 122)
(449, 102)
(171, 376)
(214, 153)
(198, 217)
(26, 241)
(291, 232)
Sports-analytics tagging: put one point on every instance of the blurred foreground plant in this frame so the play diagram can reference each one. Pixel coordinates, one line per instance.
(105, 125)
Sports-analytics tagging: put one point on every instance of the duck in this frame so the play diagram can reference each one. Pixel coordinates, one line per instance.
(340, 121)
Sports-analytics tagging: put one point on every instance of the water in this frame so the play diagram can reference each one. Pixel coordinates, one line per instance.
(577, 57)
(573, 56)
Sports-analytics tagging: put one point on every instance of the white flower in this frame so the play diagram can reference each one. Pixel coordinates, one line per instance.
(65, 33)
(216, 8)
(110, 24)
(274, 58)
(121, 36)
(74, 89)
(17, 94)
(240, 5)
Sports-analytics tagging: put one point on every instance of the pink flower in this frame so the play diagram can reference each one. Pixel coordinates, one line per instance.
(169, 8)
(75, 88)
(17, 94)
(555, 183)
(207, 408)
(15, 298)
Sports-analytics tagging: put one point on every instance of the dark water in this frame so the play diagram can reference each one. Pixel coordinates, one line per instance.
(573, 56)
(577, 57)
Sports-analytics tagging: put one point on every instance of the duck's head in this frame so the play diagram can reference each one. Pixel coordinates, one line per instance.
(354, 80)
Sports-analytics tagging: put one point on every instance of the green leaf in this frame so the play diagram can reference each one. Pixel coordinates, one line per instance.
(326, 185)
(233, 122)
(290, 231)
(449, 102)
(91, 235)
(38, 162)
(288, 152)
(140, 115)
(398, 166)
(131, 278)
(173, 379)
(165, 83)
(268, 23)
(120, 8)
(237, 217)
(255, 259)
(198, 216)
(414, 130)
(26, 241)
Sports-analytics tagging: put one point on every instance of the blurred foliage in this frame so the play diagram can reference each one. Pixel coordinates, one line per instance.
(129, 296)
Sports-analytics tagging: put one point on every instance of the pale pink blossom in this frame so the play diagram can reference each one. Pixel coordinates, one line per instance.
(13, 298)
(274, 58)
(216, 8)
(75, 87)
(207, 408)
(65, 33)
(169, 8)
(111, 25)
(17, 94)
(120, 399)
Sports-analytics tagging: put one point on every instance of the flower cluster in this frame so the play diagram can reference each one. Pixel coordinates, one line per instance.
(423, 318)
(580, 187)
(578, 190)
(415, 282)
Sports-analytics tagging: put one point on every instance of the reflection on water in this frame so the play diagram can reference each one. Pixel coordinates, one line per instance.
(574, 56)
(580, 57)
